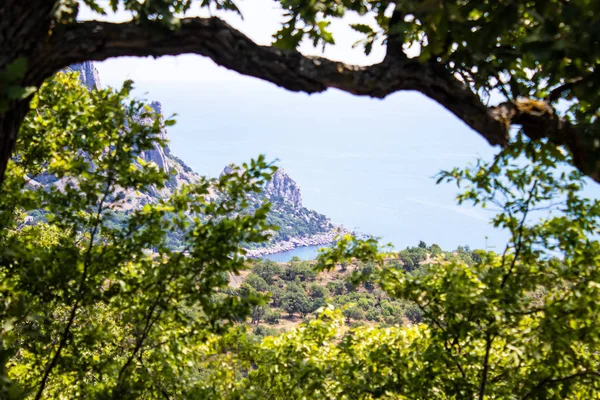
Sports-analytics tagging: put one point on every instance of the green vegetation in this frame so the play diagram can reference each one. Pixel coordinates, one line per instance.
(521, 324)
(88, 311)
(297, 291)
(294, 223)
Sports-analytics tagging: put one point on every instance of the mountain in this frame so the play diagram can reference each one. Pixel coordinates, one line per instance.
(298, 225)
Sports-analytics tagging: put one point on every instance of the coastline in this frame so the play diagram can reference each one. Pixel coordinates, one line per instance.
(320, 239)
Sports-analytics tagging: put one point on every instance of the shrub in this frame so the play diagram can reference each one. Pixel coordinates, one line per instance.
(257, 282)
(267, 270)
(272, 317)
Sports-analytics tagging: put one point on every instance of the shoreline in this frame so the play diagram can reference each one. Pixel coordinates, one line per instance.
(294, 243)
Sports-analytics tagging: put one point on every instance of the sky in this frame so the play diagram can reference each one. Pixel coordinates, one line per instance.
(367, 164)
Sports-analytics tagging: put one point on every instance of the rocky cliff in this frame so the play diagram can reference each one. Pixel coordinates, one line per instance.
(158, 154)
(298, 226)
(283, 189)
(88, 74)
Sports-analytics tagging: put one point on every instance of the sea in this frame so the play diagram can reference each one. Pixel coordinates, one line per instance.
(368, 164)
(303, 253)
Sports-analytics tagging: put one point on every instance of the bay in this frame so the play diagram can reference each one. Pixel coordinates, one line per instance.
(303, 253)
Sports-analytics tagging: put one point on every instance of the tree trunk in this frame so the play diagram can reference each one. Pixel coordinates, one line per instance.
(9, 129)
(24, 27)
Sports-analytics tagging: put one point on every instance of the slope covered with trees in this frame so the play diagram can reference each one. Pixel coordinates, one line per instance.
(298, 293)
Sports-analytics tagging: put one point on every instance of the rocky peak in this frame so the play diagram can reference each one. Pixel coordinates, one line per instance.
(88, 74)
(159, 153)
(282, 188)
(226, 171)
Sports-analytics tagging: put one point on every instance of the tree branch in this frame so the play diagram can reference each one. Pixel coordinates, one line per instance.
(97, 222)
(550, 381)
(486, 365)
(291, 70)
(226, 46)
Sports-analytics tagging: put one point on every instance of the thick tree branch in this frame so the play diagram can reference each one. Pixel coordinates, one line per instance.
(226, 46)
(291, 70)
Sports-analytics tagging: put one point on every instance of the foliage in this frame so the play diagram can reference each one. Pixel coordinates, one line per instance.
(521, 324)
(301, 270)
(353, 312)
(318, 291)
(412, 257)
(516, 48)
(267, 269)
(296, 303)
(258, 313)
(272, 317)
(435, 250)
(257, 282)
(87, 311)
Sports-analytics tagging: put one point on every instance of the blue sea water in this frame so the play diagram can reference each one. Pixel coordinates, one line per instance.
(365, 163)
(303, 253)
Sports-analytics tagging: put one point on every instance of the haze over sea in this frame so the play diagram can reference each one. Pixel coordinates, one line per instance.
(365, 163)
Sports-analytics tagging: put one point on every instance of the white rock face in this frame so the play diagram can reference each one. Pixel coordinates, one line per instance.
(88, 74)
(282, 188)
(159, 153)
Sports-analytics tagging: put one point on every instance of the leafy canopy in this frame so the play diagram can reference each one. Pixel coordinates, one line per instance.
(521, 324)
(87, 309)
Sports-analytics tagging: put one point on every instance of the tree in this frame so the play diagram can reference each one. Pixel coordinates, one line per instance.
(86, 309)
(301, 270)
(533, 54)
(337, 287)
(272, 317)
(413, 313)
(412, 257)
(296, 303)
(276, 296)
(258, 312)
(317, 291)
(267, 270)
(353, 312)
(435, 250)
(521, 324)
(257, 282)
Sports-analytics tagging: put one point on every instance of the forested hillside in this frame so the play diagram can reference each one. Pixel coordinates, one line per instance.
(298, 293)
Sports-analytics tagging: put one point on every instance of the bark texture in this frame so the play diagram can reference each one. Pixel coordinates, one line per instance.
(226, 46)
(24, 25)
